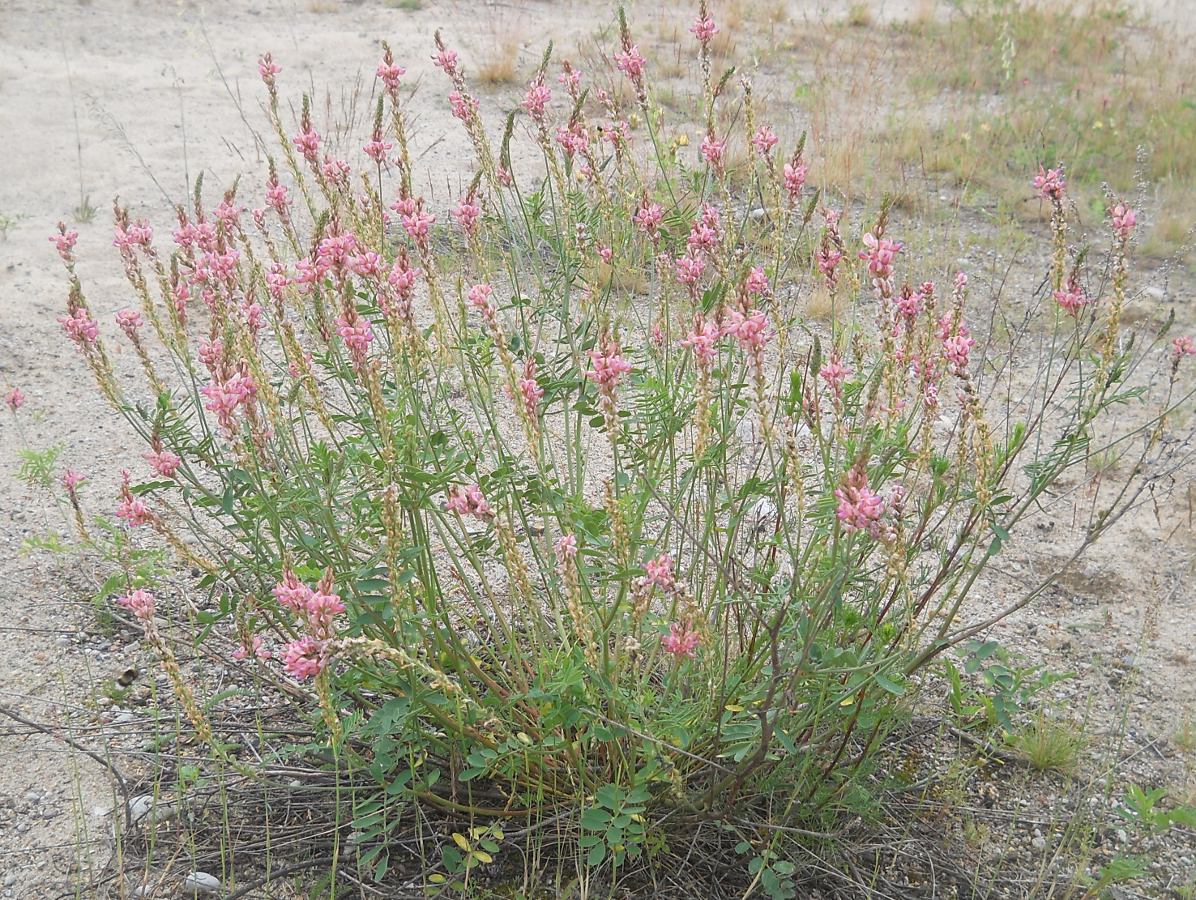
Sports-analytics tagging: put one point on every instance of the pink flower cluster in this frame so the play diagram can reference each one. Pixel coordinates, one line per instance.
(764, 140)
(133, 510)
(607, 367)
(631, 63)
(390, 73)
(713, 150)
(957, 342)
(835, 373)
(573, 139)
(703, 28)
(1071, 298)
(860, 507)
(307, 656)
(356, 333)
(129, 321)
(756, 283)
(80, 327)
(880, 253)
(307, 142)
(256, 649)
(794, 175)
(566, 548)
(140, 603)
(468, 501)
(1124, 220)
(446, 59)
(529, 389)
(648, 217)
(537, 98)
(702, 340)
(15, 399)
(376, 149)
(224, 398)
(467, 214)
(1049, 184)
(463, 106)
(750, 329)
(681, 641)
(268, 68)
(64, 242)
(72, 479)
(163, 462)
(690, 267)
(1181, 347)
(659, 572)
(479, 299)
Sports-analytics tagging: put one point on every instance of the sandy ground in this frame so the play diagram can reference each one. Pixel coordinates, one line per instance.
(110, 98)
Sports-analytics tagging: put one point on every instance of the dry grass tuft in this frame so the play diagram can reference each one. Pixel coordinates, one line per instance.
(501, 67)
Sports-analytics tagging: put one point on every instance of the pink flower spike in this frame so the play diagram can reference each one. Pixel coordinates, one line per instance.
(390, 73)
(681, 641)
(64, 241)
(80, 327)
(129, 321)
(479, 299)
(15, 399)
(376, 149)
(292, 593)
(764, 140)
(1181, 347)
(258, 650)
(631, 63)
(72, 479)
(530, 389)
(467, 214)
(757, 282)
(750, 330)
(608, 366)
(566, 548)
(322, 607)
(702, 339)
(835, 373)
(1124, 220)
(356, 334)
(659, 573)
(712, 151)
(140, 603)
(795, 178)
(447, 60)
(305, 658)
(468, 501)
(1071, 298)
(648, 217)
(860, 507)
(689, 269)
(1050, 183)
(268, 68)
(537, 99)
(704, 29)
(880, 254)
(163, 462)
(307, 142)
(463, 106)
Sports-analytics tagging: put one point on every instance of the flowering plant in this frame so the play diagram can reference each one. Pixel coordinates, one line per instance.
(557, 491)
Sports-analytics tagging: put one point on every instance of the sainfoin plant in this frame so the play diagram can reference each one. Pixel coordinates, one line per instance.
(552, 500)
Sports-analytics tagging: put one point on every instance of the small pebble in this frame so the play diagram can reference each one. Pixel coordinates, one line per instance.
(198, 883)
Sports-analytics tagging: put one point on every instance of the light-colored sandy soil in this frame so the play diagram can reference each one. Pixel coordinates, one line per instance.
(110, 98)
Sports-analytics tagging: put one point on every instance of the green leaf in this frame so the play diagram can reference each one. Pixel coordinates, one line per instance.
(893, 687)
(595, 818)
(596, 855)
